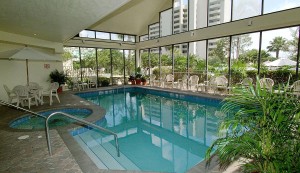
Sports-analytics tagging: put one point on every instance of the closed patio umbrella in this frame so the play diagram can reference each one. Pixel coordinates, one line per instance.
(26, 54)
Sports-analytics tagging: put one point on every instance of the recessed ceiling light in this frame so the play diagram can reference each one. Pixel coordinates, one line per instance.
(34, 34)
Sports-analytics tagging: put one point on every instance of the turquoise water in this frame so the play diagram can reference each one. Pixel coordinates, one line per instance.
(34, 122)
(156, 133)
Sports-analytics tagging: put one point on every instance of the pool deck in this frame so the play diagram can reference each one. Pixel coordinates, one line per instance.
(31, 154)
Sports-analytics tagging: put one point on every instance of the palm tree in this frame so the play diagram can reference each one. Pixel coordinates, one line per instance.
(263, 128)
(277, 44)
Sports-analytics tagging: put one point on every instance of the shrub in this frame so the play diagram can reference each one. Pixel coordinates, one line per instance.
(104, 81)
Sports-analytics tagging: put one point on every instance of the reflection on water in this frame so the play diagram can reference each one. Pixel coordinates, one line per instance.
(175, 132)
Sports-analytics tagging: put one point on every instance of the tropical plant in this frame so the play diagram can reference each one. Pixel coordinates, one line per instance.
(263, 127)
(104, 81)
(278, 44)
(56, 76)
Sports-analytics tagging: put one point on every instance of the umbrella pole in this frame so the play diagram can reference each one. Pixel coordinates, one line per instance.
(27, 71)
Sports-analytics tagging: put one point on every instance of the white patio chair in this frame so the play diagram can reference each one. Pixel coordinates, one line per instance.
(246, 82)
(152, 79)
(182, 83)
(295, 88)
(193, 82)
(169, 81)
(266, 83)
(51, 91)
(36, 90)
(23, 94)
(11, 95)
(219, 83)
(92, 81)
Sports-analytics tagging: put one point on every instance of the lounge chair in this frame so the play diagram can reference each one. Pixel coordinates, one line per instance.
(152, 79)
(246, 82)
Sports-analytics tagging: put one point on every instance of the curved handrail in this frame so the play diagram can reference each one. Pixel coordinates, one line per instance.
(82, 121)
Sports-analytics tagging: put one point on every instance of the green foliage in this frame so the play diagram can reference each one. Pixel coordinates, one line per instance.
(56, 76)
(263, 127)
(104, 81)
(278, 44)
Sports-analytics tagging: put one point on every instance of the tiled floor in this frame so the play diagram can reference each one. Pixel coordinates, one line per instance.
(31, 154)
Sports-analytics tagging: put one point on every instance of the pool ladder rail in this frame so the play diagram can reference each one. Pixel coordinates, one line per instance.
(67, 115)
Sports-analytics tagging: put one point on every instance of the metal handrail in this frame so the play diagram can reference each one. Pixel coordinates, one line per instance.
(17, 107)
(82, 121)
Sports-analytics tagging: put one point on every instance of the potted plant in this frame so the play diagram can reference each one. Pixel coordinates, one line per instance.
(59, 77)
(144, 80)
(138, 79)
(262, 129)
(132, 79)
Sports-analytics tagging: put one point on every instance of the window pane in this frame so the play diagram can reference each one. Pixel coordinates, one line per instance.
(117, 67)
(218, 54)
(180, 16)
(166, 23)
(277, 5)
(180, 61)
(279, 50)
(129, 38)
(143, 38)
(88, 63)
(154, 62)
(197, 60)
(246, 8)
(166, 60)
(129, 64)
(244, 57)
(118, 37)
(143, 61)
(102, 35)
(87, 34)
(198, 14)
(153, 31)
(219, 11)
(104, 61)
(71, 61)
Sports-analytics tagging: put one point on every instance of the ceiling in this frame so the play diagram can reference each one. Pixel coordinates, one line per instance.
(60, 20)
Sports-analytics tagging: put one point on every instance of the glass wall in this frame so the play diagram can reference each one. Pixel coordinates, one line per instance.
(103, 35)
(87, 34)
(117, 37)
(180, 16)
(143, 62)
(129, 38)
(180, 60)
(246, 8)
(244, 57)
(166, 23)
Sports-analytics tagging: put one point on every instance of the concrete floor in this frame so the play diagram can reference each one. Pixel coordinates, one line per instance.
(31, 154)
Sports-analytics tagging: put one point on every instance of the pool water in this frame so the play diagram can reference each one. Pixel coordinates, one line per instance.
(34, 122)
(155, 133)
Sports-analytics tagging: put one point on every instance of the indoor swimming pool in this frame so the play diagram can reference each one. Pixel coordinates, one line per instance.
(157, 131)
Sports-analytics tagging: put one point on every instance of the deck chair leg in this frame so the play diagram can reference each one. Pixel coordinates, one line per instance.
(57, 98)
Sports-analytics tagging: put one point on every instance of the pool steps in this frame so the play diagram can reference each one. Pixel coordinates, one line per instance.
(94, 144)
